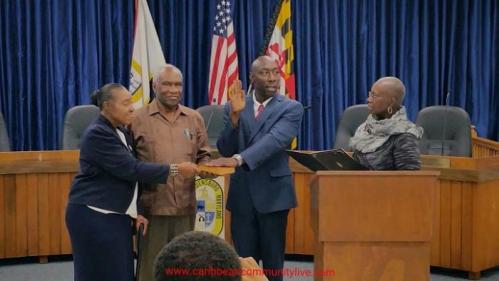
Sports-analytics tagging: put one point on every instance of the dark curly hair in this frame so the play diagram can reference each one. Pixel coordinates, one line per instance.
(197, 256)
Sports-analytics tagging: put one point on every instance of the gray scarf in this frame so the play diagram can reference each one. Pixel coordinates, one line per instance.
(374, 133)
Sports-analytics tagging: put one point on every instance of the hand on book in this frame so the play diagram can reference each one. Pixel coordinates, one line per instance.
(223, 162)
(211, 172)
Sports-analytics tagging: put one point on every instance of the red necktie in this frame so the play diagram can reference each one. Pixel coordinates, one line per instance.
(259, 111)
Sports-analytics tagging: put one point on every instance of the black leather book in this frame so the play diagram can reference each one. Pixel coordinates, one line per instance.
(326, 160)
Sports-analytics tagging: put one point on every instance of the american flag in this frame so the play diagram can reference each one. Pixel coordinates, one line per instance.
(223, 62)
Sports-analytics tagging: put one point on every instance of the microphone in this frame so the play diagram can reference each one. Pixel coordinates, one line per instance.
(208, 123)
(250, 88)
(444, 126)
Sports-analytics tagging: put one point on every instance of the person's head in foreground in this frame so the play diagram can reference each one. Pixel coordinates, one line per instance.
(188, 256)
(115, 103)
(387, 140)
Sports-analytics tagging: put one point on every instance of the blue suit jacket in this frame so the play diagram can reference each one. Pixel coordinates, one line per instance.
(109, 169)
(264, 181)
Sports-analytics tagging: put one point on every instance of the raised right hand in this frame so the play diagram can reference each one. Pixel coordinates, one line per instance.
(237, 97)
(188, 169)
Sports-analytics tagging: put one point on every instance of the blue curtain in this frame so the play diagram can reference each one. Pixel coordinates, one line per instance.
(184, 29)
(54, 53)
(435, 47)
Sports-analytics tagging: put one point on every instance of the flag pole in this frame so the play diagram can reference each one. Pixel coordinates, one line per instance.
(270, 28)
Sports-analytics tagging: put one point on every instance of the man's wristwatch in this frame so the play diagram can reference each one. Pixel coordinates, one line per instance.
(238, 158)
(173, 170)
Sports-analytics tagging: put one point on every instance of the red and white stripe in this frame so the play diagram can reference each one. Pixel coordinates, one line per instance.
(223, 66)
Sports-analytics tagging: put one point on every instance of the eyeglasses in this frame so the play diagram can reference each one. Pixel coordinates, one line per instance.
(374, 95)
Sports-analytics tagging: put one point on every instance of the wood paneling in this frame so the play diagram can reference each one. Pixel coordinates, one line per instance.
(445, 222)
(466, 223)
(43, 215)
(485, 232)
(364, 227)
(54, 215)
(33, 201)
(2, 217)
(456, 204)
(65, 184)
(21, 216)
(375, 206)
(32, 208)
(467, 226)
(10, 241)
(28, 162)
(376, 261)
(303, 234)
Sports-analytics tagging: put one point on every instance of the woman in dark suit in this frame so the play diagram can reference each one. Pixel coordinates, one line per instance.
(102, 200)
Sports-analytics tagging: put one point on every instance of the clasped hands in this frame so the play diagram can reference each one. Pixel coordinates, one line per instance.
(190, 170)
(186, 170)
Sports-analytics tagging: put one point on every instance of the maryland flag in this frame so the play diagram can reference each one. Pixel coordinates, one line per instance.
(147, 55)
(280, 47)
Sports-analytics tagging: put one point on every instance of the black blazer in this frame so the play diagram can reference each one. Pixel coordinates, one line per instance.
(109, 169)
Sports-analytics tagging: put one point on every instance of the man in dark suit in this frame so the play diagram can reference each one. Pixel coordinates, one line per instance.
(258, 130)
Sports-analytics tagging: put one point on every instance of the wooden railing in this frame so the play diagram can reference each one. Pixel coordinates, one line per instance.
(483, 147)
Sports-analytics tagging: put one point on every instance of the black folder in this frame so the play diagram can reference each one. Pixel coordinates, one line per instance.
(334, 159)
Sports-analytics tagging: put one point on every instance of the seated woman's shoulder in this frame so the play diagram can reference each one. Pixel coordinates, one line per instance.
(405, 139)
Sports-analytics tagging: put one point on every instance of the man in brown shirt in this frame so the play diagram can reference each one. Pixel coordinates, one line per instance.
(167, 132)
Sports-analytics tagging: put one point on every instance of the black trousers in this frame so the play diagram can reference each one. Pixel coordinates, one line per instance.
(102, 244)
(263, 237)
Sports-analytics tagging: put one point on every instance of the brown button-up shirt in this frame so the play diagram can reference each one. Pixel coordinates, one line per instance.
(159, 140)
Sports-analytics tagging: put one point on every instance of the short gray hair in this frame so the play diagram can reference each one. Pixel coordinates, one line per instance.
(165, 68)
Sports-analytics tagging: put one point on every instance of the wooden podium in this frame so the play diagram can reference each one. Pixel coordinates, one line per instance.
(369, 226)
(466, 217)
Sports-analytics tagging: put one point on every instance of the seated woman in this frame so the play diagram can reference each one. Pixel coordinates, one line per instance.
(387, 140)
